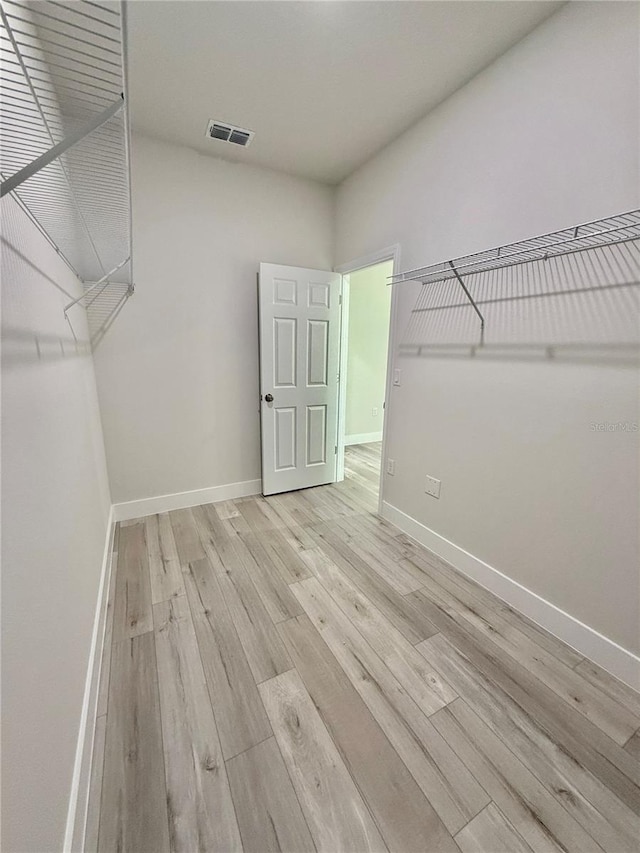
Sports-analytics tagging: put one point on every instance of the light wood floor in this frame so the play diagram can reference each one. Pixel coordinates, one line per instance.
(294, 674)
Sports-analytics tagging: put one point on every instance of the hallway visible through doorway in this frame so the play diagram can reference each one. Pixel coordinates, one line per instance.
(362, 466)
(363, 370)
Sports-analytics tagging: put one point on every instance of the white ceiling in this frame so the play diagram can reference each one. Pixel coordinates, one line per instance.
(324, 84)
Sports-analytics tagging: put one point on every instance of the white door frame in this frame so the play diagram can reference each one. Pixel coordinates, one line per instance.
(390, 253)
(342, 375)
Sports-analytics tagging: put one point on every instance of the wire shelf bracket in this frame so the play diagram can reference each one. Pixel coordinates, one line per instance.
(471, 300)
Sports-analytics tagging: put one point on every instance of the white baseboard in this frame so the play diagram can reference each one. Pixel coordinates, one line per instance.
(614, 658)
(362, 438)
(78, 797)
(185, 500)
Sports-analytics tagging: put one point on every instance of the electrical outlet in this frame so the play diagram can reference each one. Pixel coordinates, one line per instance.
(432, 487)
(397, 373)
(391, 466)
(374, 412)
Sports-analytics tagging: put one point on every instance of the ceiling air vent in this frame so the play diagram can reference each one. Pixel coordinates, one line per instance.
(229, 133)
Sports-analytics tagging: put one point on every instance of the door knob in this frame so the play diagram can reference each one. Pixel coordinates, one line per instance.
(268, 398)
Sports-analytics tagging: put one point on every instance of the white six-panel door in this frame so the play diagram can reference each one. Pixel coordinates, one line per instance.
(299, 349)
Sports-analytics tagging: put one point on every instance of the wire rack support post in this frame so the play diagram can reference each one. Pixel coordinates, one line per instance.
(471, 300)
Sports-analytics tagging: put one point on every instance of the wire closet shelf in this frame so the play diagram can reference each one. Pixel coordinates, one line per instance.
(500, 297)
(64, 137)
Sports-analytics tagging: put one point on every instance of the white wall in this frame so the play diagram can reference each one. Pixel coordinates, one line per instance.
(368, 340)
(544, 138)
(178, 372)
(55, 506)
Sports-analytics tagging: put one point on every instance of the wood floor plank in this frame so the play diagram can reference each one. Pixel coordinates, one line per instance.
(367, 559)
(254, 515)
(297, 537)
(426, 687)
(327, 503)
(262, 519)
(320, 508)
(353, 492)
(442, 777)
(570, 657)
(278, 510)
(237, 523)
(437, 567)
(535, 814)
(404, 816)
(240, 716)
(285, 558)
(368, 451)
(384, 532)
(234, 525)
(632, 746)
(584, 741)
(199, 804)
(383, 525)
(612, 824)
(407, 618)
(338, 499)
(379, 557)
(369, 527)
(269, 814)
(294, 533)
(362, 464)
(277, 517)
(363, 479)
(133, 812)
(276, 596)
(260, 640)
(367, 491)
(132, 608)
(491, 832)
(609, 685)
(335, 812)
(265, 507)
(227, 509)
(618, 722)
(387, 559)
(164, 564)
(298, 511)
(186, 536)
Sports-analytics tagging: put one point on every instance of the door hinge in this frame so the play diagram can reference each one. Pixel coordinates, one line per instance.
(336, 449)
(340, 300)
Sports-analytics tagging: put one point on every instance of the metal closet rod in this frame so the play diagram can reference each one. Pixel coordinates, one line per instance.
(53, 153)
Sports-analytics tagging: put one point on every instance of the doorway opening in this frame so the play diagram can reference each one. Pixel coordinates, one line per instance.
(366, 315)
